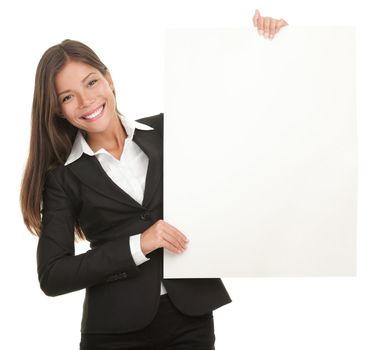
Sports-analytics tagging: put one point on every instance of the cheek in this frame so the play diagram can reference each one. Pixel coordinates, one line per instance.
(65, 110)
(111, 98)
(68, 111)
(72, 121)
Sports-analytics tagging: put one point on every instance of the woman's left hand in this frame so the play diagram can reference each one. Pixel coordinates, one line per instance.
(267, 26)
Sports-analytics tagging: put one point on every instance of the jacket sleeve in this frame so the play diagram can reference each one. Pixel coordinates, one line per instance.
(60, 271)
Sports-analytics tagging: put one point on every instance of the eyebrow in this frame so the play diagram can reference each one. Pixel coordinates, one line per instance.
(84, 79)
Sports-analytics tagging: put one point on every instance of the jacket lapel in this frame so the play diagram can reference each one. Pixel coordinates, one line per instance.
(151, 144)
(89, 171)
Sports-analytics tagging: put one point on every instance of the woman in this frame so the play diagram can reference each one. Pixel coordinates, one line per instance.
(98, 175)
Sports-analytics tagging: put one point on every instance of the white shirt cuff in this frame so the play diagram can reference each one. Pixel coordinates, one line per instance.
(136, 250)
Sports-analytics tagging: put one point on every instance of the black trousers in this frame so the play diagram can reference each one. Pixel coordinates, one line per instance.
(170, 330)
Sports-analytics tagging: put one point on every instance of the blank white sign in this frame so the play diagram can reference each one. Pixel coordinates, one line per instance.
(260, 165)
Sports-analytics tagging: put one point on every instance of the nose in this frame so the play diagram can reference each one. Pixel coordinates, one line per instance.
(85, 99)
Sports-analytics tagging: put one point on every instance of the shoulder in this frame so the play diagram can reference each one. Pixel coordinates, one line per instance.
(61, 184)
(55, 173)
(155, 121)
(59, 175)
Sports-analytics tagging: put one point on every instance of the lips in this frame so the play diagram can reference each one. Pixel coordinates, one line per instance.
(94, 114)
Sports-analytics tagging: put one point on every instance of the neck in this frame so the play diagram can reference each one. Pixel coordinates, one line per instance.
(112, 139)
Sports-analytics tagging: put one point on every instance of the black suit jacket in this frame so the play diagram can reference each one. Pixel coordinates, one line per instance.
(120, 296)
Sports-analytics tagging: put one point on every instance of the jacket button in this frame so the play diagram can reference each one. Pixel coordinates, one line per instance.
(145, 216)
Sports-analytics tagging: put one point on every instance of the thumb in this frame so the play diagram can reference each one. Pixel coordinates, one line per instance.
(282, 23)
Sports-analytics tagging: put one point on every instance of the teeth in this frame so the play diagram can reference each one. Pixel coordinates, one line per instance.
(93, 115)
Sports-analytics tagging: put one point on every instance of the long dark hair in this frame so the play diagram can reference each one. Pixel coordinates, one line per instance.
(51, 136)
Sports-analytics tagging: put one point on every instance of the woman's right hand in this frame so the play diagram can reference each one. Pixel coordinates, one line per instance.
(163, 235)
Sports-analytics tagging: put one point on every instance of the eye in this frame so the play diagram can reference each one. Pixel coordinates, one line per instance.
(66, 98)
(92, 82)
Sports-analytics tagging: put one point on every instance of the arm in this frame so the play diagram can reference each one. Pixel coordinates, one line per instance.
(59, 270)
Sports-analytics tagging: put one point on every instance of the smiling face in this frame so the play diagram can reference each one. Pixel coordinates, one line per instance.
(86, 97)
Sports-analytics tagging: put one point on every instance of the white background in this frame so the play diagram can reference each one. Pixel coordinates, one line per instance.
(268, 313)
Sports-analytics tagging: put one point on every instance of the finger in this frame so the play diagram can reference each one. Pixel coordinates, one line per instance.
(170, 247)
(175, 234)
(255, 17)
(272, 28)
(279, 24)
(169, 242)
(178, 232)
(282, 23)
(176, 240)
(267, 27)
(260, 24)
(170, 233)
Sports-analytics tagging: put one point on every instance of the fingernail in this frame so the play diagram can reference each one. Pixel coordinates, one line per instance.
(265, 35)
(260, 32)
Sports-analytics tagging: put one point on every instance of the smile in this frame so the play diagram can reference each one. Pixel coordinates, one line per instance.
(96, 114)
